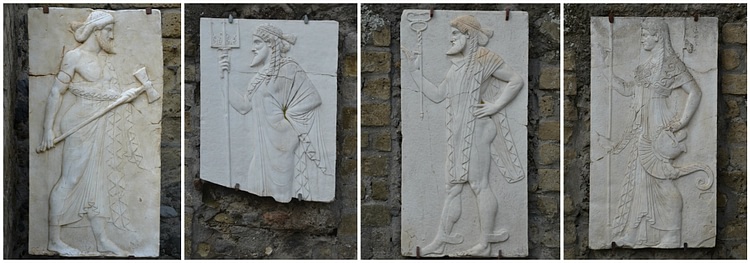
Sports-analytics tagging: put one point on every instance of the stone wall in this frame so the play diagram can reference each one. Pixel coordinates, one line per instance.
(16, 143)
(224, 223)
(731, 232)
(381, 127)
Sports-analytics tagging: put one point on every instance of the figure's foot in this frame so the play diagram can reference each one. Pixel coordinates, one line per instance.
(436, 248)
(479, 250)
(62, 249)
(438, 245)
(107, 246)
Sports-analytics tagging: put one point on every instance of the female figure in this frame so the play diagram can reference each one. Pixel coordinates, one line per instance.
(650, 205)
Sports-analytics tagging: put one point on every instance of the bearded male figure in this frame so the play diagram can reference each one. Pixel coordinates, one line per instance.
(286, 158)
(95, 155)
(473, 100)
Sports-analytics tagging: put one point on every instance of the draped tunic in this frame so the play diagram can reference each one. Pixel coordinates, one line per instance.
(97, 155)
(650, 205)
(286, 159)
(467, 85)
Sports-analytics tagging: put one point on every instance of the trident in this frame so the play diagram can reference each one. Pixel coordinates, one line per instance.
(224, 41)
(418, 23)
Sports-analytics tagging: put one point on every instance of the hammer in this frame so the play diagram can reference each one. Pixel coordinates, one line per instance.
(151, 93)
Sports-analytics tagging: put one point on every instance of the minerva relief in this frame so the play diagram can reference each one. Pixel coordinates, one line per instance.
(653, 132)
(94, 117)
(268, 107)
(464, 86)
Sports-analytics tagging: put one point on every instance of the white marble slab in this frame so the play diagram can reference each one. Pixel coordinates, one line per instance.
(433, 193)
(653, 180)
(98, 189)
(277, 137)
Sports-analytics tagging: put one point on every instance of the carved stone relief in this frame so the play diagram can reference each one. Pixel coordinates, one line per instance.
(653, 132)
(464, 110)
(268, 107)
(95, 83)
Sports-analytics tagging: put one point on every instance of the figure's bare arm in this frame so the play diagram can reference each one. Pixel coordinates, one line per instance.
(237, 98)
(239, 101)
(623, 87)
(515, 85)
(59, 87)
(691, 105)
(435, 93)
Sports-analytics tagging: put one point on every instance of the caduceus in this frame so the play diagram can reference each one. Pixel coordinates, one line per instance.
(418, 23)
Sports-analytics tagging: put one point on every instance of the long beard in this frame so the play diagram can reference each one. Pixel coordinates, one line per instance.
(455, 49)
(106, 45)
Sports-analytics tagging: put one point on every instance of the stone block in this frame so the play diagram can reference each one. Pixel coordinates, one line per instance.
(382, 142)
(549, 180)
(350, 66)
(730, 58)
(735, 84)
(376, 62)
(382, 37)
(569, 60)
(549, 130)
(549, 78)
(380, 190)
(374, 166)
(569, 82)
(170, 24)
(376, 114)
(549, 154)
(375, 215)
(734, 33)
(377, 88)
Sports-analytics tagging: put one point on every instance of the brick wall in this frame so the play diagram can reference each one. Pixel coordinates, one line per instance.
(15, 106)
(381, 127)
(223, 223)
(731, 238)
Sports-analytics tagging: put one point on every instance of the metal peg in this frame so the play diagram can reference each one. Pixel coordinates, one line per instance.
(307, 20)
(231, 18)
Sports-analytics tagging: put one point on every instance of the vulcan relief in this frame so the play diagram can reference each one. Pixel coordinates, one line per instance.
(268, 107)
(95, 83)
(464, 110)
(653, 132)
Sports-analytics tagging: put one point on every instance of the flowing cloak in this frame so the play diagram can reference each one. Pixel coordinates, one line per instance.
(97, 154)
(650, 204)
(467, 85)
(286, 160)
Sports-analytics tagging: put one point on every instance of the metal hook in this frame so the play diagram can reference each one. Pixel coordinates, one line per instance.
(237, 186)
(418, 256)
(148, 10)
(507, 13)
(307, 20)
(695, 17)
(432, 11)
(231, 18)
(611, 17)
(45, 9)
